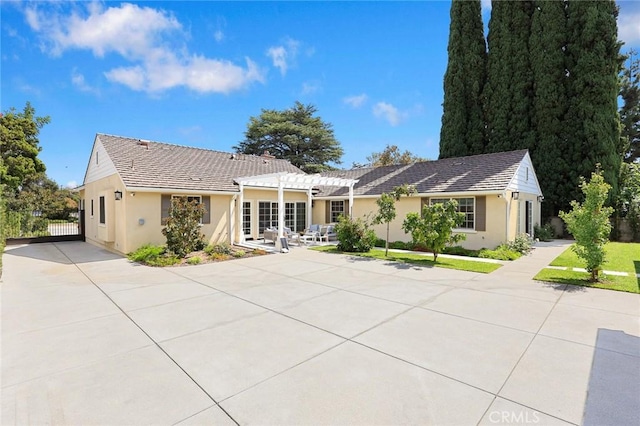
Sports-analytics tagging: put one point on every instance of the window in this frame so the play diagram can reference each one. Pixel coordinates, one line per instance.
(246, 218)
(267, 215)
(295, 216)
(190, 198)
(92, 208)
(102, 210)
(97, 157)
(465, 205)
(337, 210)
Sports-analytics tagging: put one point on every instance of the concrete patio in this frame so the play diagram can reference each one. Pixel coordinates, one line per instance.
(309, 338)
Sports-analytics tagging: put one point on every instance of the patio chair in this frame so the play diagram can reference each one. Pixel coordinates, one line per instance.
(312, 233)
(327, 233)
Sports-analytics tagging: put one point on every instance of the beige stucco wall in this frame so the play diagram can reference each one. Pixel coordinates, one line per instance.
(110, 235)
(495, 227)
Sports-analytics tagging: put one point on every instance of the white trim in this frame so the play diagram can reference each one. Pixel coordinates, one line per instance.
(181, 191)
(294, 181)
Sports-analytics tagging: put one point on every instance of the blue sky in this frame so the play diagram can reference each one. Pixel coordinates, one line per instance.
(193, 72)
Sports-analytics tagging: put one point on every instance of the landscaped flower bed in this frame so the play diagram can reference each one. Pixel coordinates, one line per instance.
(159, 256)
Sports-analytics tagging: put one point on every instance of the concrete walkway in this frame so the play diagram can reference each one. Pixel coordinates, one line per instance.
(309, 338)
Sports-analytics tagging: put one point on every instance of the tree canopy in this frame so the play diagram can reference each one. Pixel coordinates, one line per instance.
(630, 109)
(294, 134)
(463, 128)
(390, 156)
(19, 148)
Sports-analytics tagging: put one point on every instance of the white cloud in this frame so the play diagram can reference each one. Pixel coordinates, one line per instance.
(355, 101)
(284, 56)
(629, 27)
(149, 39)
(310, 87)
(388, 112)
(79, 81)
(218, 36)
(71, 184)
(485, 5)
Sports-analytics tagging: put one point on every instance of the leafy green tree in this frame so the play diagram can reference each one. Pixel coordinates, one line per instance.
(354, 235)
(434, 227)
(630, 109)
(19, 148)
(589, 223)
(628, 205)
(594, 63)
(550, 102)
(294, 134)
(392, 156)
(463, 128)
(183, 226)
(508, 92)
(387, 208)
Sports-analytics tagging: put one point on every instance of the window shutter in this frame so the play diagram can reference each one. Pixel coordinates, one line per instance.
(206, 217)
(327, 211)
(481, 213)
(165, 205)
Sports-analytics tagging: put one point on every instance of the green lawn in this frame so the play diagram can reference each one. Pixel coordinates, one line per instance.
(622, 257)
(420, 260)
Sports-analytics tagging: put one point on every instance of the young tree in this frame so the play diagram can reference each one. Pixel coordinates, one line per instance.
(434, 228)
(354, 235)
(294, 134)
(630, 109)
(19, 148)
(183, 226)
(463, 130)
(392, 156)
(387, 208)
(589, 223)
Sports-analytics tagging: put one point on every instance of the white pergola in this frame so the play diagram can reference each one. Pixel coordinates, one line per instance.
(286, 180)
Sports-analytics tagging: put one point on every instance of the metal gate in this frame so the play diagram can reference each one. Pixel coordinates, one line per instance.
(32, 227)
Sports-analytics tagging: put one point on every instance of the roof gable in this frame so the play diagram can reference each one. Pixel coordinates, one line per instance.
(477, 173)
(100, 164)
(147, 164)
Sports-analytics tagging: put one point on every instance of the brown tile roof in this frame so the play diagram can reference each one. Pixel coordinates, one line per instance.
(486, 172)
(160, 165)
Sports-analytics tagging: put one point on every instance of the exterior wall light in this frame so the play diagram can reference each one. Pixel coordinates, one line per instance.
(118, 195)
(515, 195)
(540, 198)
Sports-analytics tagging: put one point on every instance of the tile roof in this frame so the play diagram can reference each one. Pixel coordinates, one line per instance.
(147, 164)
(486, 172)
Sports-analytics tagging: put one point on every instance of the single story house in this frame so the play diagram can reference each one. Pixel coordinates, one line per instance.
(129, 183)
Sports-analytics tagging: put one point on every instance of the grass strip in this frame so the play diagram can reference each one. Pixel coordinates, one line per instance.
(424, 260)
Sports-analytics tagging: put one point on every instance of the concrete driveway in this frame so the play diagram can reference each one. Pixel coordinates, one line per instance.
(309, 338)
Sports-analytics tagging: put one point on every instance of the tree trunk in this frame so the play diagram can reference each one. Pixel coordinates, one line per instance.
(386, 243)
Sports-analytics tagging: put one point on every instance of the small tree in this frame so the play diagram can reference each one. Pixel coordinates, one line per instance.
(387, 208)
(589, 223)
(183, 226)
(434, 228)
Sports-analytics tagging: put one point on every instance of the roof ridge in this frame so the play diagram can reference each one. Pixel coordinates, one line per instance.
(189, 147)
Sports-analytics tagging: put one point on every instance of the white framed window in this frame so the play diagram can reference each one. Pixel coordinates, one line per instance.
(103, 212)
(246, 218)
(190, 198)
(92, 207)
(466, 205)
(267, 215)
(336, 210)
(295, 216)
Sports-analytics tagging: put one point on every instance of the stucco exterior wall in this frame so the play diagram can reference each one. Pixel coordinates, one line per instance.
(110, 235)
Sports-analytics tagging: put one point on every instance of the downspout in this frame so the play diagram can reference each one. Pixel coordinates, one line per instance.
(507, 216)
(239, 210)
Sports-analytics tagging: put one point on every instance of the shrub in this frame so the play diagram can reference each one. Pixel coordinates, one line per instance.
(183, 226)
(354, 235)
(400, 245)
(502, 252)
(239, 253)
(166, 259)
(259, 252)
(145, 253)
(194, 260)
(219, 248)
(521, 244)
(220, 256)
(545, 232)
(379, 242)
(460, 251)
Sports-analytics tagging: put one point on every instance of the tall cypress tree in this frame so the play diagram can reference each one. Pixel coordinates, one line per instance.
(463, 129)
(594, 62)
(550, 103)
(508, 93)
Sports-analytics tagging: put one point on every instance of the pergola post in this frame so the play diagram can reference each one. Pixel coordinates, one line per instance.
(351, 201)
(280, 211)
(240, 208)
(309, 210)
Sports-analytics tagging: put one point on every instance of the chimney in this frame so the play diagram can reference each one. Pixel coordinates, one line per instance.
(143, 143)
(266, 154)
